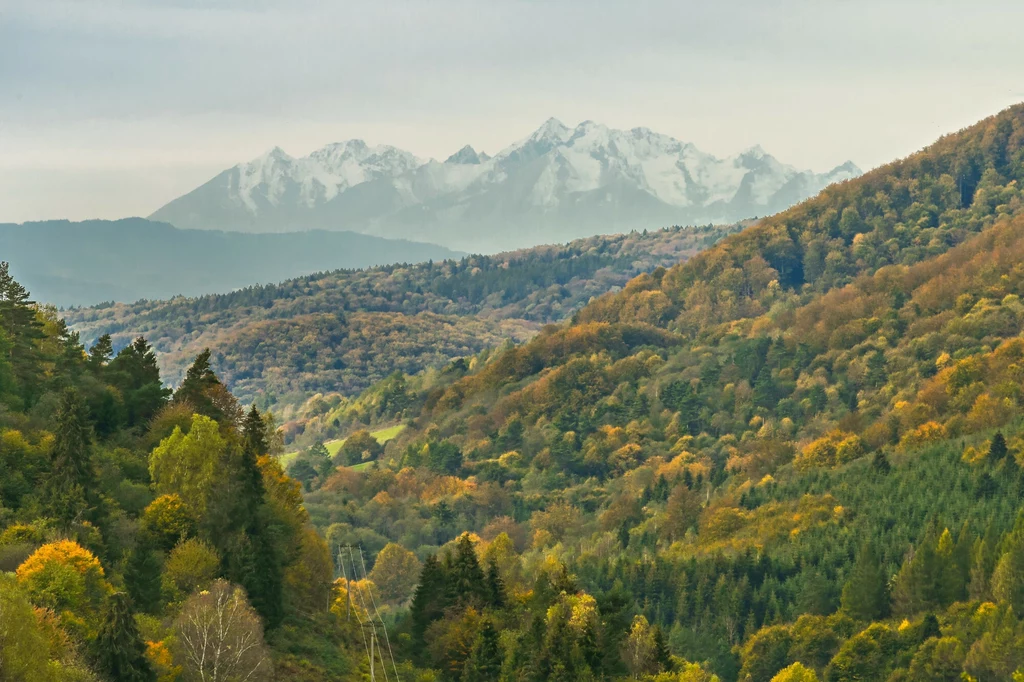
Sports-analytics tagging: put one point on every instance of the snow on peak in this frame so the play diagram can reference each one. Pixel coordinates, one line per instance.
(551, 130)
(466, 155)
(555, 168)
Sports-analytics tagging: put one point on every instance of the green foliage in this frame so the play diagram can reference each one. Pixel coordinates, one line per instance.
(120, 651)
(281, 344)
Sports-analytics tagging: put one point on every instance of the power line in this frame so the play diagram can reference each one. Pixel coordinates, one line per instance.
(384, 627)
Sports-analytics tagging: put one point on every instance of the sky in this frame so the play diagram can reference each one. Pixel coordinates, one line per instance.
(111, 108)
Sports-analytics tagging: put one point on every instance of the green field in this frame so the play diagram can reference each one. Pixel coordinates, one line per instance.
(382, 436)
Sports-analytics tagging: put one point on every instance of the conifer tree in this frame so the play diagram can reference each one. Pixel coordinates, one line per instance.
(429, 600)
(997, 448)
(120, 651)
(466, 578)
(495, 585)
(142, 577)
(136, 374)
(199, 388)
(22, 329)
(71, 486)
(484, 662)
(864, 595)
(661, 652)
(100, 353)
(254, 446)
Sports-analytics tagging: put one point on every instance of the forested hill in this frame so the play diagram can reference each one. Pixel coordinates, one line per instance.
(145, 535)
(796, 456)
(85, 263)
(337, 332)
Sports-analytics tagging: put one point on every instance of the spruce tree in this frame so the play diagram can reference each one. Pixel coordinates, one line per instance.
(254, 446)
(72, 483)
(428, 602)
(495, 585)
(997, 448)
(661, 652)
(466, 579)
(484, 662)
(120, 651)
(256, 567)
(864, 595)
(142, 577)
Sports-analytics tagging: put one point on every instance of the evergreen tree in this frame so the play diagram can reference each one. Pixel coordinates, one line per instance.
(661, 652)
(466, 578)
(254, 446)
(142, 577)
(428, 602)
(997, 448)
(199, 388)
(136, 374)
(484, 662)
(72, 483)
(23, 330)
(120, 651)
(100, 353)
(864, 594)
(255, 565)
(496, 597)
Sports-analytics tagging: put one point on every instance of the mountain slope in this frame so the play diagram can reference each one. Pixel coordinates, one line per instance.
(70, 264)
(804, 445)
(558, 184)
(338, 332)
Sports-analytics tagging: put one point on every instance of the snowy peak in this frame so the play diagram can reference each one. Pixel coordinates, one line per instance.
(467, 155)
(558, 182)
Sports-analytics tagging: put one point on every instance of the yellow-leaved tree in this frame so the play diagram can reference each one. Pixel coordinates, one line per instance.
(184, 464)
(67, 578)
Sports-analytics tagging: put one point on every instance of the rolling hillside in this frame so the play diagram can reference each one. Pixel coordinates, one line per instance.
(340, 331)
(797, 456)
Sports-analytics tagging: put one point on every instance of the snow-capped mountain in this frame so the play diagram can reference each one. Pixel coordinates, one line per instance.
(557, 184)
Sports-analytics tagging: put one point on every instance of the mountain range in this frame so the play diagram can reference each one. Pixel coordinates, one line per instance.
(558, 184)
(85, 263)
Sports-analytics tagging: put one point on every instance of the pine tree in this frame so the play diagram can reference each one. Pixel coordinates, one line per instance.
(864, 595)
(100, 353)
(71, 486)
(484, 662)
(120, 651)
(23, 330)
(136, 374)
(199, 386)
(495, 585)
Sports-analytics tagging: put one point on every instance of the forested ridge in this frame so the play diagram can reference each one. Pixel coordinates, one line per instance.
(796, 456)
(336, 333)
(148, 535)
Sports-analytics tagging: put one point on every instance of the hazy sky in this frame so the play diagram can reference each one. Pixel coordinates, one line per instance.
(110, 108)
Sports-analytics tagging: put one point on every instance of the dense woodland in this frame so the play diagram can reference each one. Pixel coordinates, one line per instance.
(334, 334)
(147, 535)
(797, 456)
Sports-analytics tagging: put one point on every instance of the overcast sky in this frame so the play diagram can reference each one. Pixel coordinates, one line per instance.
(110, 108)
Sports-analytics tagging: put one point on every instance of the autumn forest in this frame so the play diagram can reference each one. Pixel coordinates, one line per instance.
(790, 450)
